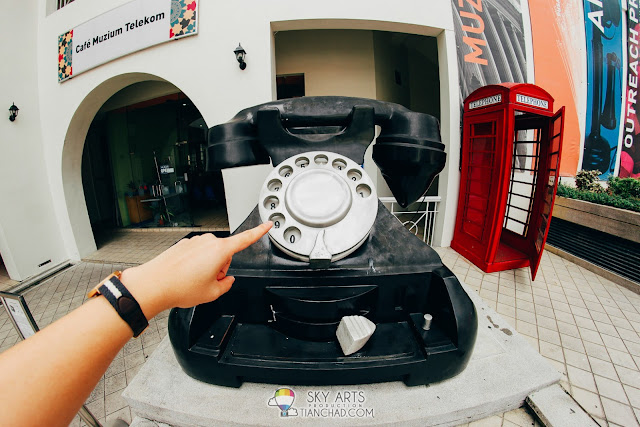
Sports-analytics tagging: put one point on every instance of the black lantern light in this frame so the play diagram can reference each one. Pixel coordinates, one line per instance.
(13, 112)
(240, 54)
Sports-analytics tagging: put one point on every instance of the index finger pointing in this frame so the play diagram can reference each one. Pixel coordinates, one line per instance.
(248, 237)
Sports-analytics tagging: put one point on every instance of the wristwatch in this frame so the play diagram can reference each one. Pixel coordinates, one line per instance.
(122, 301)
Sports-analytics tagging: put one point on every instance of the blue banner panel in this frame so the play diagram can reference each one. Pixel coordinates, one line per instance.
(603, 30)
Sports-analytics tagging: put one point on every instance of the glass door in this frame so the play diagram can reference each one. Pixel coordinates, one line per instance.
(547, 190)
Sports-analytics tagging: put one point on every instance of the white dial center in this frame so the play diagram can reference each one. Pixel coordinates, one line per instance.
(318, 198)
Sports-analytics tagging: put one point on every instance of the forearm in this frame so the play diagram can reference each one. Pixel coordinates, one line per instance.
(57, 357)
(45, 379)
(50, 375)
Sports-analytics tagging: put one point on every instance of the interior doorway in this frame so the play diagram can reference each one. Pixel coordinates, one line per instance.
(387, 66)
(143, 164)
(290, 86)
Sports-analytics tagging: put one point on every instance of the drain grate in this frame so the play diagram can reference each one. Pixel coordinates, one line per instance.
(613, 253)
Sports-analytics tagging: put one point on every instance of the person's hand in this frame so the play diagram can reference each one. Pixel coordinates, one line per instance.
(191, 272)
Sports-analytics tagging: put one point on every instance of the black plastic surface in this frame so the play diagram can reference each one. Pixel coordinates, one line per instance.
(278, 322)
(393, 279)
(408, 150)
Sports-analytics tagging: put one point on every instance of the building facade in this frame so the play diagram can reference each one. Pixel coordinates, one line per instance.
(426, 55)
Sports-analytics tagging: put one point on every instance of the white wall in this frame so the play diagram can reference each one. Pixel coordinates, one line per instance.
(388, 57)
(334, 62)
(449, 182)
(391, 56)
(46, 181)
(29, 233)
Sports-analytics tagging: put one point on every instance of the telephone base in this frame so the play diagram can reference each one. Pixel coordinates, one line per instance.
(278, 322)
(259, 353)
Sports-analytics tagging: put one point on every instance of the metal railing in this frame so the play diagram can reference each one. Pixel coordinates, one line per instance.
(419, 216)
(63, 3)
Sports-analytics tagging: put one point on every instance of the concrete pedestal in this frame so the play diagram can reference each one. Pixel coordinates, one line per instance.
(503, 370)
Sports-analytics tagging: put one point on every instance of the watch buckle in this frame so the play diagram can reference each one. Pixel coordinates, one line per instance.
(95, 292)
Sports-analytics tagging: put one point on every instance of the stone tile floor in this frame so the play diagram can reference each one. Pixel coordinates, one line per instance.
(213, 219)
(136, 245)
(586, 326)
(5, 281)
(66, 291)
(133, 247)
(583, 324)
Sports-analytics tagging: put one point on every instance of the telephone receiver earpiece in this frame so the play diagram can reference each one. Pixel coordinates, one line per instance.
(408, 150)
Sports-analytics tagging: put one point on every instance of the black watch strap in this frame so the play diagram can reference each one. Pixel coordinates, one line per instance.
(125, 304)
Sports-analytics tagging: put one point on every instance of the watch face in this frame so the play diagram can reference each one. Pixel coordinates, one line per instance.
(322, 205)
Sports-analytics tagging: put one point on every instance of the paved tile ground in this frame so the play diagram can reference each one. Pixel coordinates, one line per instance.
(214, 219)
(585, 325)
(5, 280)
(134, 247)
(204, 219)
(66, 291)
(123, 246)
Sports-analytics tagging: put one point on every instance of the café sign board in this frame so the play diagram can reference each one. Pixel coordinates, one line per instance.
(129, 28)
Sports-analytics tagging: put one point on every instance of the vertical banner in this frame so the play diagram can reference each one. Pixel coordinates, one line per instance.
(490, 41)
(630, 154)
(557, 32)
(603, 31)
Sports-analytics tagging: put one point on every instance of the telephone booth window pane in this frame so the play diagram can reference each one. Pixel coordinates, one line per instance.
(481, 154)
(484, 129)
(483, 144)
(481, 159)
(522, 183)
(473, 230)
(514, 226)
(477, 203)
(479, 188)
(476, 216)
(480, 174)
(539, 239)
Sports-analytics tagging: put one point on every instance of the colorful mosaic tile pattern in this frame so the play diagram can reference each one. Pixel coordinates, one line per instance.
(183, 18)
(65, 50)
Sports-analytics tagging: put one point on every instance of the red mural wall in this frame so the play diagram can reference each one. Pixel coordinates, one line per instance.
(553, 44)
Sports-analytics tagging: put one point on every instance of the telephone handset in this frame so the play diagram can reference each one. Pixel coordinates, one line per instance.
(322, 205)
(334, 251)
(408, 150)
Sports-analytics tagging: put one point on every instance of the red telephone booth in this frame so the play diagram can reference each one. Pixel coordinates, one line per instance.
(510, 156)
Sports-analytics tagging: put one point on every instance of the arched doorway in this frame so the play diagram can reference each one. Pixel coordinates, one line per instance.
(139, 163)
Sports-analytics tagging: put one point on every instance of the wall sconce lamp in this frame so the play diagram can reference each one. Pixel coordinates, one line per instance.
(240, 54)
(13, 112)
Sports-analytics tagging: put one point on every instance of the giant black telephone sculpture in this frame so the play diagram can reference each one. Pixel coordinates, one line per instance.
(334, 251)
